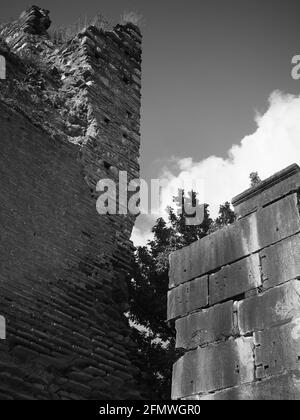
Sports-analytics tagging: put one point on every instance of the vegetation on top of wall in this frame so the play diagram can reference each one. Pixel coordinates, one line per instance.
(131, 17)
(62, 34)
(255, 179)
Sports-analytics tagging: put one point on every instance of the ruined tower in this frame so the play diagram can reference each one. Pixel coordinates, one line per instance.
(69, 116)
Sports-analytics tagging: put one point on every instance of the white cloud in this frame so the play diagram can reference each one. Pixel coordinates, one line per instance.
(273, 146)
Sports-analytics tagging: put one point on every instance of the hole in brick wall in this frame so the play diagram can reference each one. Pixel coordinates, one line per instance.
(266, 367)
(97, 55)
(106, 120)
(126, 80)
(125, 136)
(86, 234)
(106, 165)
(128, 115)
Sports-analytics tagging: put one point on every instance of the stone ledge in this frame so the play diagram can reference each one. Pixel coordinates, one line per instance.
(273, 188)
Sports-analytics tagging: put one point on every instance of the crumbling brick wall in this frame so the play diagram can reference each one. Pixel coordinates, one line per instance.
(69, 116)
(235, 297)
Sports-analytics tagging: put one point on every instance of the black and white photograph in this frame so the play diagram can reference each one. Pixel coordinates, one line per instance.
(150, 204)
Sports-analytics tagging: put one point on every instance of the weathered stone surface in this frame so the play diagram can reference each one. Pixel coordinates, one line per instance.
(248, 235)
(188, 297)
(281, 387)
(35, 20)
(205, 327)
(253, 267)
(281, 262)
(268, 191)
(273, 307)
(235, 279)
(277, 349)
(213, 368)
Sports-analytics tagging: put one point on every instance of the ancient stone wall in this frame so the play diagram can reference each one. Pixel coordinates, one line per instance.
(235, 297)
(69, 116)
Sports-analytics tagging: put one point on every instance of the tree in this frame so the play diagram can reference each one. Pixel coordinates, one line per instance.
(148, 288)
(226, 217)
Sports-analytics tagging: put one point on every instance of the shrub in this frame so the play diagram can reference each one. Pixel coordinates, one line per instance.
(131, 17)
(64, 34)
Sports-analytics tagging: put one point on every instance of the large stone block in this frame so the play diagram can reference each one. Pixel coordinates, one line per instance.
(247, 236)
(188, 297)
(235, 279)
(277, 349)
(268, 191)
(213, 368)
(205, 327)
(281, 262)
(281, 387)
(273, 307)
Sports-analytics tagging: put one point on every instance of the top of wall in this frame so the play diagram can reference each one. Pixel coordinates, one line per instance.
(262, 212)
(69, 88)
(269, 190)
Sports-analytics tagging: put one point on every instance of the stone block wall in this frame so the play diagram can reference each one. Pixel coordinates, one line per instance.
(235, 300)
(69, 116)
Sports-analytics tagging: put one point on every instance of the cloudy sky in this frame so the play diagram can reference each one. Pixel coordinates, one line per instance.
(218, 97)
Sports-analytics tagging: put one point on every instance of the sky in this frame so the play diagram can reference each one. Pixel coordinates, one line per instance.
(210, 70)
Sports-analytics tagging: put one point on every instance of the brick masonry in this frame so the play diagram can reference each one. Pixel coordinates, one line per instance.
(69, 116)
(240, 334)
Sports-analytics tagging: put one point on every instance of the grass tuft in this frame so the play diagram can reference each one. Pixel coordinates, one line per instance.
(131, 17)
(62, 34)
